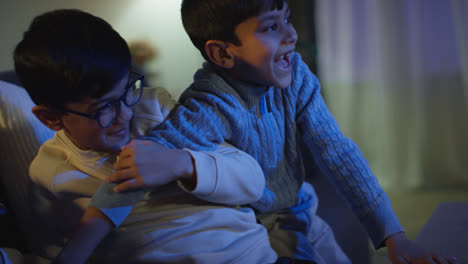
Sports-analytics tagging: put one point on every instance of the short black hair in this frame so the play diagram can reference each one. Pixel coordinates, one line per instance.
(68, 55)
(205, 20)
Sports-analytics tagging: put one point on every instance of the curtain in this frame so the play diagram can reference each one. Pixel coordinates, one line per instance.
(394, 74)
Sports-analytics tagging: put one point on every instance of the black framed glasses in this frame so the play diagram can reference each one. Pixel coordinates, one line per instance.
(108, 114)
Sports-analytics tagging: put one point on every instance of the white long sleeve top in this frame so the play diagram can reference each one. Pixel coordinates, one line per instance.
(170, 224)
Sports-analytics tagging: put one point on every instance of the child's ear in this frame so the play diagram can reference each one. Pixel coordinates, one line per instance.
(218, 52)
(48, 117)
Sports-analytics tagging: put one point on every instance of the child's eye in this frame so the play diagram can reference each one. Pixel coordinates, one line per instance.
(271, 27)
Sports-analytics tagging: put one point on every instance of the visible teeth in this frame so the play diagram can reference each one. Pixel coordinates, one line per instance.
(284, 57)
(280, 58)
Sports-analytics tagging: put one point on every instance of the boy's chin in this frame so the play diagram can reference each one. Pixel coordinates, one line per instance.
(283, 84)
(115, 148)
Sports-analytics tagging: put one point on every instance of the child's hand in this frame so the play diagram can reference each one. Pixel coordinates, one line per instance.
(401, 250)
(147, 164)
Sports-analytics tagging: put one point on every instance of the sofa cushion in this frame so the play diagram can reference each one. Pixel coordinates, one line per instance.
(21, 134)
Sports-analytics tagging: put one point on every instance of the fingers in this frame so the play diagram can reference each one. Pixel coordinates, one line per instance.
(127, 151)
(404, 260)
(120, 175)
(129, 185)
(429, 259)
(439, 259)
(125, 163)
(452, 260)
(444, 259)
(130, 149)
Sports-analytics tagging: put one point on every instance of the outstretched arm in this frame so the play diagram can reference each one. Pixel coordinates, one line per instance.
(97, 222)
(342, 161)
(94, 227)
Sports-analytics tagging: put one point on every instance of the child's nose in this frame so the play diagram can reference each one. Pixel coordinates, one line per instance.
(126, 112)
(291, 35)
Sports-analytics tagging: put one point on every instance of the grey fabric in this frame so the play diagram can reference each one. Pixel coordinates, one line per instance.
(14, 256)
(10, 77)
(21, 134)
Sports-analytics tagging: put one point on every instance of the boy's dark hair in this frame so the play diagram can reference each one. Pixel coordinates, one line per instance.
(205, 20)
(68, 55)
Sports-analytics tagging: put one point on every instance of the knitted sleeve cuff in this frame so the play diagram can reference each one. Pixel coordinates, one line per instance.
(381, 222)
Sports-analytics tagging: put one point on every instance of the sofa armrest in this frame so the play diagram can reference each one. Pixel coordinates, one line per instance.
(21, 135)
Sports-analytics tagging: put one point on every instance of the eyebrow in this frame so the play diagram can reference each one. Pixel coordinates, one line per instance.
(273, 16)
(97, 103)
(94, 105)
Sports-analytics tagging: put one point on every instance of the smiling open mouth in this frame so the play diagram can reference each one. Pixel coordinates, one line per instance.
(284, 61)
(118, 132)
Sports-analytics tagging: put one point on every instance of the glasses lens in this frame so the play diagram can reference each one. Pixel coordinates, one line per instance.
(134, 93)
(108, 115)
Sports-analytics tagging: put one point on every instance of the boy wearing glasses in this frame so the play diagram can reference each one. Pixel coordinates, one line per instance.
(76, 68)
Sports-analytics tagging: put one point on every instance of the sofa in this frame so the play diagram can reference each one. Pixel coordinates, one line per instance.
(21, 134)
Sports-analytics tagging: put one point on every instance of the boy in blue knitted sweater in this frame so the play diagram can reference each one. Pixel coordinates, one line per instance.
(256, 93)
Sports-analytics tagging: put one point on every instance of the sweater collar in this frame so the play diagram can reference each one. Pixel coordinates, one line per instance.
(250, 93)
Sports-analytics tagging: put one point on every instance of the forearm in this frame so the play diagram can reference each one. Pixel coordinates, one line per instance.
(227, 175)
(341, 160)
(94, 227)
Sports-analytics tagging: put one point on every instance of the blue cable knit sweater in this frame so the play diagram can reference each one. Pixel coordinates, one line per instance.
(277, 127)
